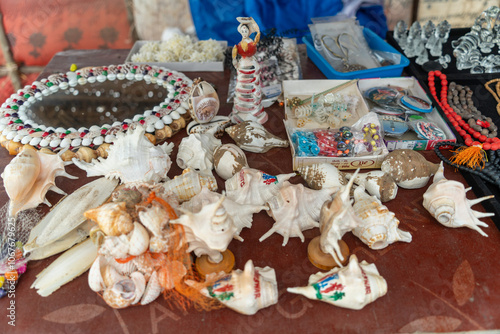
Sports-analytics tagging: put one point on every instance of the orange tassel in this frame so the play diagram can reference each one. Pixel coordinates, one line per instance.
(472, 157)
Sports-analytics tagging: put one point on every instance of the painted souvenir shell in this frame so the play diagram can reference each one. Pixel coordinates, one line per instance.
(353, 286)
(196, 151)
(253, 137)
(216, 126)
(408, 168)
(446, 201)
(229, 159)
(203, 102)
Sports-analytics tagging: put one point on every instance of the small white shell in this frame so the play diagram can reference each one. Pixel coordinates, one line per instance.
(139, 240)
(153, 289)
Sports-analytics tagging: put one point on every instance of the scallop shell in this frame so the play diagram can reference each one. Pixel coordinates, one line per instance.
(189, 184)
(28, 178)
(336, 219)
(153, 289)
(251, 186)
(408, 168)
(197, 152)
(322, 175)
(352, 287)
(112, 218)
(246, 291)
(229, 159)
(446, 201)
(208, 231)
(253, 137)
(132, 158)
(378, 184)
(296, 209)
(379, 226)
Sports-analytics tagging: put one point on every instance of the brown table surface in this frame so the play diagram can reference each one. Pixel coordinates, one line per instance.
(444, 280)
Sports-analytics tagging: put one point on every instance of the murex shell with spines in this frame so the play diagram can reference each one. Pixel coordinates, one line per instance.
(253, 137)
(446, 201)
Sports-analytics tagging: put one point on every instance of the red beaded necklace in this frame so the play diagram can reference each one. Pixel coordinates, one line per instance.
(467, 133)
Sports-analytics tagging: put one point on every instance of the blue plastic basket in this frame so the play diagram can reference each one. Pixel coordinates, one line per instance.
(375, 43)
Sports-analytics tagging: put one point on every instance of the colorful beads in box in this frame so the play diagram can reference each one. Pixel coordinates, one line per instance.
(324, 142)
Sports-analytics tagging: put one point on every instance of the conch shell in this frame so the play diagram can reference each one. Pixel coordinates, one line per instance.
(229, 159)
(447, 202)
(353, 286)
(28, 178)
(408, 168)
(132, 158)
(253, 137)
(251, 186)
(190, 183)
(296, 209)
(378, 184)
(322, 175)
(112, 218)
(379, 226)
(246, 291)
(196, 151)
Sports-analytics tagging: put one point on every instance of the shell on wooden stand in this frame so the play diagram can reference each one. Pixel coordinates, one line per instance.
(253, 137)
(353, 286)
(446, 201)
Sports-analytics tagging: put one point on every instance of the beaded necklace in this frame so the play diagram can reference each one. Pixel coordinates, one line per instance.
(469, 134)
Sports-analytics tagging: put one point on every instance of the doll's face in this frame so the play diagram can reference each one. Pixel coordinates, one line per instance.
(244, 31)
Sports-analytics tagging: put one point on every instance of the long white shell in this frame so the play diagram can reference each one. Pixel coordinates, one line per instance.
(322, 175)
(296, 209)
(378, 184)
(153, 289)
(132, 158)
(246, 291)
(190, 183)
(379, 226)
(197, 152)
(228, 160)
(446, 201)
(353, 286)
(253, 137)
(28, 178)
(139, 240)
(251, 186)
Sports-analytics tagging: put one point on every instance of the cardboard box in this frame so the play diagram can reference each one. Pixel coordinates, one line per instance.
(410, 140)
(210, 66)
(305, 88)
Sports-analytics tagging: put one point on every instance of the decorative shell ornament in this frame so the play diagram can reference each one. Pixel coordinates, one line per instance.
(336, 219)
(322, 175)
(446, 201)
(296, 209)
(216, 126)
(203, 102)
(29, 176)
(251, 186)
(246, 291)
(132, 158)
(378, 184)
(190, 183)
(197, 152)
(253, 137)
(353, 286)
(208, 231)
(379, 226)
(408, 168)
(229, 159)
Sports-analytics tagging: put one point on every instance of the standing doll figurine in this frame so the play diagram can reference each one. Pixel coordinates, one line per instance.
(248, 92)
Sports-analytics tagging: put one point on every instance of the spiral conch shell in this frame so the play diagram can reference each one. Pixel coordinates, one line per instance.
(353, 286)
(251, 186)
(322, 175)
(197, 152)
(132, 158)
(190, 183)
(253, 137)
(246, 291)
(379, 226)
(296, 209)
(447, 202)
(112, 218)
(28, 178)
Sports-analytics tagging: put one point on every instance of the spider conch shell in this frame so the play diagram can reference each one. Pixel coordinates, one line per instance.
(408, 168)
(240, 214)
(353, 286)
(190, 183)
(336, 219)
(229, 159)
(251, 186)
(28, 178)
(208, 231)
(378, 184)
(447, 202)
(132, 158)
(246, 291)
(379, 226)
(322, 175)
(296, 209)
(196, 151)
(253, 137)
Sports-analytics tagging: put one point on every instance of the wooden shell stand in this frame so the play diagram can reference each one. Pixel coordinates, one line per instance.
(322, 260)
(204, 266)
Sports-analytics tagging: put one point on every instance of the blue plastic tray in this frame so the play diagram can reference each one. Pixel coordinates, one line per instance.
(375, 43)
